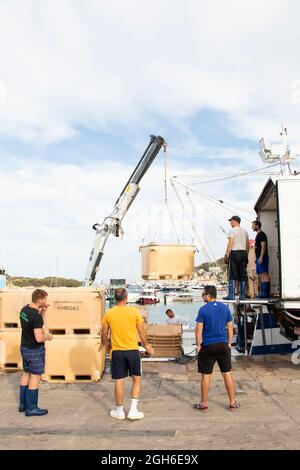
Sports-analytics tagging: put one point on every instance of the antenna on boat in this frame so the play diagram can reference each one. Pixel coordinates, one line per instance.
(284, 153)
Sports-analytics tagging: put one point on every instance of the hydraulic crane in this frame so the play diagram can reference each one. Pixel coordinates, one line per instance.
(112, 223)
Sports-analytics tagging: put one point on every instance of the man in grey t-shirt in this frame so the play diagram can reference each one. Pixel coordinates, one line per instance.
(237, 257)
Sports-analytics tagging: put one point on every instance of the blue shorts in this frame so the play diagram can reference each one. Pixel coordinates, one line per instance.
(33, 360)
(124, 363)
(263, 267)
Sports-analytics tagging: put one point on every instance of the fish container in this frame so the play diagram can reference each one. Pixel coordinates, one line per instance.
(73, 358)
(72, 310)
(164, 330)
(167, 262)
(11, 303)
(10, 355)
(75, 310)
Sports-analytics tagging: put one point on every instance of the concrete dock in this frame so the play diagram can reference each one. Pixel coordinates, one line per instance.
(268, 389)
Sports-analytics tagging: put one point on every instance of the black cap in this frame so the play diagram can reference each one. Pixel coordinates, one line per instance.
(236, 218)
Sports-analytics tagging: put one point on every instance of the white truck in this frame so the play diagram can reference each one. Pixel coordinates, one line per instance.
(278, 209)
(276, 328)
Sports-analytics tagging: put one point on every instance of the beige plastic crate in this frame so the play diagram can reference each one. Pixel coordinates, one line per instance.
(73, 358)
(164, 330)
(11, 303)
(75, 311)
(157, 343)
(10, 356)
(167, 351)
(71, 311)
(166, 340)
(167, 261)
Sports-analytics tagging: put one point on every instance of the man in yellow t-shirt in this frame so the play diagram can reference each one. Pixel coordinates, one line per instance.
(124, 323)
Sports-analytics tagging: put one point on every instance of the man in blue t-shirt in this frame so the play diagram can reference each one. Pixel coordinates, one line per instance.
(214, 331)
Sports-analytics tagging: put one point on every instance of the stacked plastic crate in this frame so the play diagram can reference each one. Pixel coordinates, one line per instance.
(166, 340)
(74, 319)
(11, 303)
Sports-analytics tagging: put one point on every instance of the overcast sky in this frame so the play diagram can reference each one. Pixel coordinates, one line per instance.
(84, 83)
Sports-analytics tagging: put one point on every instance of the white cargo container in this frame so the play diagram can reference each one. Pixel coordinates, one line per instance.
(278, 209)
(277, 322)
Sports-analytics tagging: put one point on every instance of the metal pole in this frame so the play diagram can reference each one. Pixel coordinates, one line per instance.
(245, 330)
(271, 329)
(165, 178)
(262, 324)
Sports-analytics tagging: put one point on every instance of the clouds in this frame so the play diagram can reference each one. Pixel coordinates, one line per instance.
(101, 63)
(49, 208)
(82, 84)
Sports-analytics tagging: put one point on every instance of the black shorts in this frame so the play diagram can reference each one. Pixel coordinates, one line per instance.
(238, 261)
(124, 363)
(212, 353)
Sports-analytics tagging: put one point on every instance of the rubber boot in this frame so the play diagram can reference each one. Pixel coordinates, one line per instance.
(261, 291)
(262, 294)
(242, 290)
(32, 404)
(231, 291)
(23, 392)
(264, 290)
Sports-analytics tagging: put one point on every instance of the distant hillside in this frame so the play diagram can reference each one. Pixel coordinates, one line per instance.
(219, 262)
(42, 282)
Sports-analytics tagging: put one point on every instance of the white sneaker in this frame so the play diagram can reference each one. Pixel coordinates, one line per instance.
(135, 415)
(116, 415)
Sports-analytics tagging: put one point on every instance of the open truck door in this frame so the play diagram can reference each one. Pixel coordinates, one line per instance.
(288, 209)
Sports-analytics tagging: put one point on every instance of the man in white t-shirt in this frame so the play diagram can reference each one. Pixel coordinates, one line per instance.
(237, 257)
(172, 319)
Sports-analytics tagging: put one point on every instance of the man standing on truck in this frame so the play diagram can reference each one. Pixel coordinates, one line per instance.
(262, 259)
(237, 257)
(214, 331)
(33, 352)
(124, 324)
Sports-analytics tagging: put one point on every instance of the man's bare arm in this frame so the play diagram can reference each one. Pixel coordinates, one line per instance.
(263, 250)
(199, 330)
(144, 339)
(104, 335)
(41, 336)
(230, 332)
(229, 246)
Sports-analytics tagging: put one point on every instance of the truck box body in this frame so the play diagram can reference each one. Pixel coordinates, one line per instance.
(278, 209)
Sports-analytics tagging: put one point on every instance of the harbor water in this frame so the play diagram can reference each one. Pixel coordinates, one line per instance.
(186, 311)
